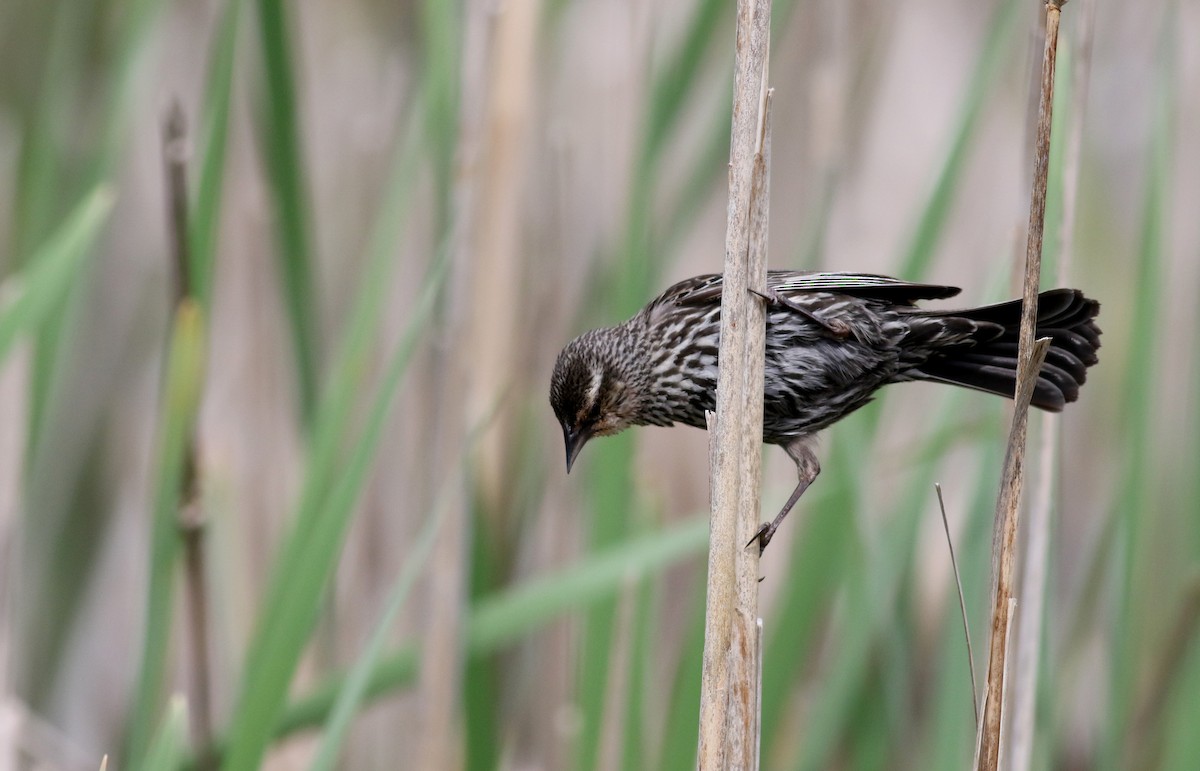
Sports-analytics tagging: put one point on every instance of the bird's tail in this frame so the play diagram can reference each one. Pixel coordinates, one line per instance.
(989, 361)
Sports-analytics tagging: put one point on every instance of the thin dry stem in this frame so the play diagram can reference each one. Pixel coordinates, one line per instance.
(1033, 588)
(1008, 660)
(498, 276)
(176, 153)
(1036, 568)
(1029, 361)
(728, 699)
(962, 604)
(439, 687)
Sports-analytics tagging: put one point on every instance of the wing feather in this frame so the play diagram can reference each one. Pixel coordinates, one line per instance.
(705, 289)
(858, 285)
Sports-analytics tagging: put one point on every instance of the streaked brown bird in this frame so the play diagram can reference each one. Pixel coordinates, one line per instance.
(833, 339)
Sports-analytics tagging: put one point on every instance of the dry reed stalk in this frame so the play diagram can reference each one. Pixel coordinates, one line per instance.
(728, 736)
(487, 238)
(176, 152)
(439, 733)
(498, 270)
(1030, 356)
(1032, 612)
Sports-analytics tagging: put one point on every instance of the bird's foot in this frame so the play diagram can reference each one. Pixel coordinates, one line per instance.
(763, 536)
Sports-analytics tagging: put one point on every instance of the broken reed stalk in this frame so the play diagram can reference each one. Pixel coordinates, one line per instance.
(191, 517)
(1029, 361)
(1032, 612)
(729, 703)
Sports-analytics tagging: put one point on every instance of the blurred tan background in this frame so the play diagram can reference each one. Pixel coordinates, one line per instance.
(550, 126)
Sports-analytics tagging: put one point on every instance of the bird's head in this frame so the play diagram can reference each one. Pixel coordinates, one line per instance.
(591, 391)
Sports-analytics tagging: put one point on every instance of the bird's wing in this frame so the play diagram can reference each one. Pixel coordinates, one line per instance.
(857, 285)
(707, 288)
(697, 290)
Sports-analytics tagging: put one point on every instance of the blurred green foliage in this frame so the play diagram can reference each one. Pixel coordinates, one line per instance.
(592, 661)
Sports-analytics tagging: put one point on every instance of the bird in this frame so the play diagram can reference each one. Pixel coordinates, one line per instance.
(832, 340)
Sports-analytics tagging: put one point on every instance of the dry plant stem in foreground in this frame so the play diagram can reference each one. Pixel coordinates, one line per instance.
(962, 602)
(728, 697)
(191, 515)
(1031, 618)
(1029, 361)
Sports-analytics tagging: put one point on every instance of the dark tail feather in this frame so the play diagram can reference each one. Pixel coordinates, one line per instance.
(990, 363)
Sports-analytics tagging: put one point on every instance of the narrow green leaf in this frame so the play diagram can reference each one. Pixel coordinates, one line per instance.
(303, 572)
(354, 689)
(42, 138)
(988, 66)
(513, 615)
(108, 134)
(28, 298)
(509, 616)
(950, 740)
(182, 387)
(289, 191)
(1139, 485)
(169, 746)
(214, 136)
(681, 732)
(346, 380)
(676, 81)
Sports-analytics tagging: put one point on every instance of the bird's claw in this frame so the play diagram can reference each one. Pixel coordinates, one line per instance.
(762, 537)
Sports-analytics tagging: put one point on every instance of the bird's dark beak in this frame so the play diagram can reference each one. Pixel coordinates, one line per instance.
(574, 439)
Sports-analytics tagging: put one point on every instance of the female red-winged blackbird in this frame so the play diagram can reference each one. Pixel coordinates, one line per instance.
(832, 340)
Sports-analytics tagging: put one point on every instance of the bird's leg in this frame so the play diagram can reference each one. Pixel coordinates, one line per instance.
(807, 467)
(834, 328)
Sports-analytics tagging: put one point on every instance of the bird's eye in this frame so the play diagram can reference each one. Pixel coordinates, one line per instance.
(593, 414)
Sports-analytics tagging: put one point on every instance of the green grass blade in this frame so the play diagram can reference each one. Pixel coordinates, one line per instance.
(1181, 745)
(787, 643)
(182, 386)
(302, 574)
(518, 612)
(1139, 488)
(681, 732)
(214, 137)
(354, 689)
(345, 385)
(676, 81)
(30, 298)
(814, 567)
(988, 66)
(509, 616)
(169, 746)
(442, 24)
(515, 613)
(645, 630)
(42, 139)
(136, 19)
(285, 170)
(950, 743)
